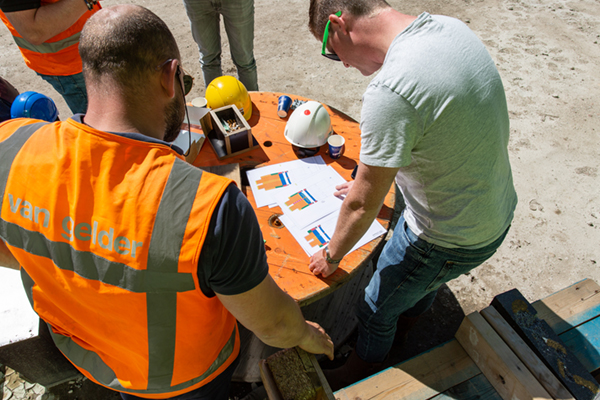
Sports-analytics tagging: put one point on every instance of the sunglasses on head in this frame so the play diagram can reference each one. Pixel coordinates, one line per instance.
(331, 56)
(188, 80)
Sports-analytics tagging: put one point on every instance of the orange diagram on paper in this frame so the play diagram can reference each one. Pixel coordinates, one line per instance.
(300, 200)
(273, 181)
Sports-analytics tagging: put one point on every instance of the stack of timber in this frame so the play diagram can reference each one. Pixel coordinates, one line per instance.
(549, 349)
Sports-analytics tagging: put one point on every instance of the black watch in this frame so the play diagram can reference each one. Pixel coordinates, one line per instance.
(329, 259)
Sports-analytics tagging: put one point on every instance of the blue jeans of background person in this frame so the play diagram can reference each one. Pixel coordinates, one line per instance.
(72, 89)
(217, 389)
(409, 273)
(238, 18)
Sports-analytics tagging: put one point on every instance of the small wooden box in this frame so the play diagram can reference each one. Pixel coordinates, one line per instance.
(228, 132)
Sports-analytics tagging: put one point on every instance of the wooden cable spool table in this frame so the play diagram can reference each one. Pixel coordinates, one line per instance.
(327, 301)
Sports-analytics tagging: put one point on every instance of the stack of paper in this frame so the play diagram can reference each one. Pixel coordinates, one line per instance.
(304, 189)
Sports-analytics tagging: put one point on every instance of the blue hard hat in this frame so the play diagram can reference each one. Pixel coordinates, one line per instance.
(34, 105)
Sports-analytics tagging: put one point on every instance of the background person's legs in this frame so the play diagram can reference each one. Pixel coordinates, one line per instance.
(205, 25)
(238, 17)
(72, 89)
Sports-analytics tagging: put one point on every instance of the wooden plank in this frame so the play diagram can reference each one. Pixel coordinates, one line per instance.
(546, 344)
(268, 381)
(571, 306)
(507, 374)
(419, 378)
(312, 365)
(584, 342)
(476, 388)
(554, 387)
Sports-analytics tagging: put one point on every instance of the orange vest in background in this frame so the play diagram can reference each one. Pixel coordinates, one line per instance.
(58, 55)
(108, 231)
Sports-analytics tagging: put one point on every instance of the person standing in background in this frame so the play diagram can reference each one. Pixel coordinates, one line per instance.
(47, 33)
(238, 18)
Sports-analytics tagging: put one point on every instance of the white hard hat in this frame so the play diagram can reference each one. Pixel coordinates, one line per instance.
(309, 125)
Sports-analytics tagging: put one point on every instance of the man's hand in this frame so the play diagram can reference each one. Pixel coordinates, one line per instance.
(318, 342)
(343, 189)
(319, 266)
(276, 319)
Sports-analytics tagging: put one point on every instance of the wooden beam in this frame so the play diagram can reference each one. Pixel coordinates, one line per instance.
(571, 306)
(419, 378)
(556, 389)
(476, 388)
(507, 374)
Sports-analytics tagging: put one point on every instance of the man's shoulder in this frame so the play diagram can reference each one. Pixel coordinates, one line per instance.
(9, 127)
(19, 5)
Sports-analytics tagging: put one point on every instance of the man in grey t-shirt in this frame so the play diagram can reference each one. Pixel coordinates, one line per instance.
(435, 120)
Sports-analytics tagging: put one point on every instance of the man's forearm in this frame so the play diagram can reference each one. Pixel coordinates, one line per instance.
(288, 328)
(352, 224)
(38, 25)
(276, 319)
(359, 209)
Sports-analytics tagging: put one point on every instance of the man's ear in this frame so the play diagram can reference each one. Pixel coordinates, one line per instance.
(169, 77)
(339, 24)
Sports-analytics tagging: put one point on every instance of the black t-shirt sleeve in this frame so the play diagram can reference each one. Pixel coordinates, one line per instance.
(19, 5)
(232, 259)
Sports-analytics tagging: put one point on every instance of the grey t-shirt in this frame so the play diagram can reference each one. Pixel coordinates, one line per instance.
(437, 111)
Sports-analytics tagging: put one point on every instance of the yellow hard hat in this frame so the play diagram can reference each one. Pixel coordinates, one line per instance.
(226, 90)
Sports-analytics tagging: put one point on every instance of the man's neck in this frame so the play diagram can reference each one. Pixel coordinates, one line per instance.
(386, 26)
(114, 114)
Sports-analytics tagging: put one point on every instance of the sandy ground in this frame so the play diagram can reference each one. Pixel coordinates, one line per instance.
(546, 52)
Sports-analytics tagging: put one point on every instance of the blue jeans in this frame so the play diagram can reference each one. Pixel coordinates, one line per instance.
(409, 273)
(72, 89)
(217, 389)
(238, 17)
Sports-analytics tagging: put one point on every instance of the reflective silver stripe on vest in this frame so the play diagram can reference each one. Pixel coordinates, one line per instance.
(160, 281)
(47, 48)
(90, 361)
(163, 254)
(91, 266)
(10, 147)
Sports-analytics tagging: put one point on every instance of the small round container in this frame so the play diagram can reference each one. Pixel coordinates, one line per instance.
(336, 145)
(199, 102)
(283, 106)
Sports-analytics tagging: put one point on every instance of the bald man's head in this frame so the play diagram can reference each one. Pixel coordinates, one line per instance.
(125, 43)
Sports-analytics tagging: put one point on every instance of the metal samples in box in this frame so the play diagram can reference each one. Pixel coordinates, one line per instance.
(228, 132)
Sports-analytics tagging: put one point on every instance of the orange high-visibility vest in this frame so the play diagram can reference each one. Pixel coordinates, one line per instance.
(108, 231)
(58, 55)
